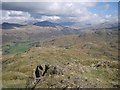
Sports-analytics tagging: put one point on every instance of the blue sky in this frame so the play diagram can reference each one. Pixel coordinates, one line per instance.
(105, 8)
(78, 12)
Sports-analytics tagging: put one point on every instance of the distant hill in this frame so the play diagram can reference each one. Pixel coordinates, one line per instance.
(46, 23)
(9, 25)
(102, 26)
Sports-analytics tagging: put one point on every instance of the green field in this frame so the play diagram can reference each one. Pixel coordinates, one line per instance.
(13, 48)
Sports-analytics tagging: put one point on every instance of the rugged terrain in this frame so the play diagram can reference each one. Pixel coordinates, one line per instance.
(77, 58)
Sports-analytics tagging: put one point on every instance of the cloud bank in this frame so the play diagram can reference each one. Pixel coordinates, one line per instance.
(54, 11)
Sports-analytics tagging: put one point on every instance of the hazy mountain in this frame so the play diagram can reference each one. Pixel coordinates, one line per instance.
(100, 26)
(46, 23)
(6, 25)
(106, 25)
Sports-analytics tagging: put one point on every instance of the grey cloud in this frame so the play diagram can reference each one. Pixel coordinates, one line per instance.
(48, 8)
(62, 11)
(23, 6)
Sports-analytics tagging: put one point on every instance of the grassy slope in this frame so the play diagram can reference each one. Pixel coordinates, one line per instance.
(82, 52)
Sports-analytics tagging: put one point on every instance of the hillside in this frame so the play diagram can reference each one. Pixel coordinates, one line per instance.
(60, 45)
(35, 33)
(88, 59)
(21, 39)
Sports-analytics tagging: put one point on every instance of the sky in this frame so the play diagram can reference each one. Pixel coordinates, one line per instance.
(77, 12)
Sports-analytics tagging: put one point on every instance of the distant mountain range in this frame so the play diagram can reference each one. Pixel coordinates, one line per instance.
(9, 25)
(51, 24)
(46, 23)
(104, 26)
(43, 24)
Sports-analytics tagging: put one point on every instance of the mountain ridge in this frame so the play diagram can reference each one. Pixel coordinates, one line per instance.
(46, 23)
(7, 25)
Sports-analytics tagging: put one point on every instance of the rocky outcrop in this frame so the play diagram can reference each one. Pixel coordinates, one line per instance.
(41, 74)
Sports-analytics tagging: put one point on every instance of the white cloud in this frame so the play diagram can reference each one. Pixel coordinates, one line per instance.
(61, 8)
(16, 16)
(51, 18)
(108, 16)
(54, 11)
(51, 11)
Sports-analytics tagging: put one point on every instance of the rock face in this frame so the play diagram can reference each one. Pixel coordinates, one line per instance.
(54, 70)
(37, 72)
(48, 70)
(40, 67)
